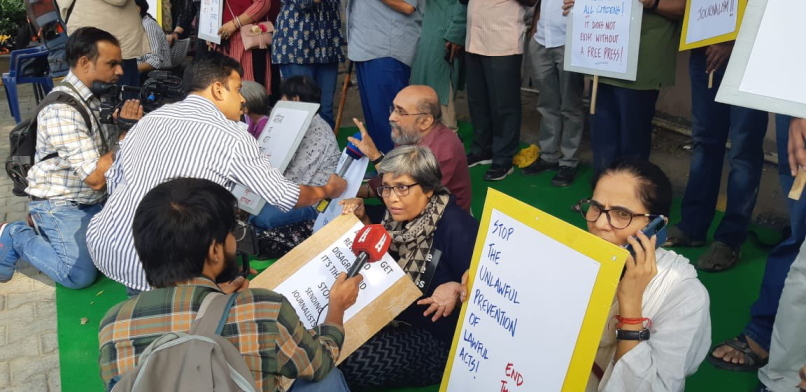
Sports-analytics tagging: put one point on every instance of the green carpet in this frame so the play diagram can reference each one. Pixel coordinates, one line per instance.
(732, 292)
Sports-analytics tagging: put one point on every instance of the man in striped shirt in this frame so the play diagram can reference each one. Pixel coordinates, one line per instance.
(198, 137)
(185, 231)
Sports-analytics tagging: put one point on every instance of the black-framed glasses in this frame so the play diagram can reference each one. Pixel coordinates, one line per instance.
(240, 229)
(400, 190)
(399, 112)
(618, 217)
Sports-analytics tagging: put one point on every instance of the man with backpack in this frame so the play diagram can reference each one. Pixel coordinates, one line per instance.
(73, 151)
(185, 232)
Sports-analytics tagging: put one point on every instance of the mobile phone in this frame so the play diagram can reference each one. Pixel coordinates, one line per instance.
(656, 227)
(247, 246)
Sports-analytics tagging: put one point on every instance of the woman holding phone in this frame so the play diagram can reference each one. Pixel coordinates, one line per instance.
(659, 328)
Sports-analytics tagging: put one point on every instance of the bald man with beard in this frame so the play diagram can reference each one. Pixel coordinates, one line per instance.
(415, 120)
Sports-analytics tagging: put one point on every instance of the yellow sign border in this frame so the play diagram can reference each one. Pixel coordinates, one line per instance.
(611, 258)
(742, 5)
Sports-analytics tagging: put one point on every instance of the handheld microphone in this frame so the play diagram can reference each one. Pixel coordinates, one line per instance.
(353, 154)
(369, 246)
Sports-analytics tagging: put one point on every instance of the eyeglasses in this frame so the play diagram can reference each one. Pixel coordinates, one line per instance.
(400, 190)
(240, 229)
(617, 217)
(399, 112)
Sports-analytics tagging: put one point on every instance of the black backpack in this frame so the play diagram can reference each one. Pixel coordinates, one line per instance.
(22, 140)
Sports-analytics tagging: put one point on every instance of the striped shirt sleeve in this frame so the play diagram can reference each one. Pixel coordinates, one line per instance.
(254, 171)
(160, 55)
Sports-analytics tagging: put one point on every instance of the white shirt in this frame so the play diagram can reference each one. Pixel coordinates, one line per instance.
(551, 25)
(679, 341)
(191, 138)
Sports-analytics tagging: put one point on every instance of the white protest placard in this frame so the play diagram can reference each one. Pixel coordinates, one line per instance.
(305, 275)
(155, 9)
(710, 18)
(602, 38)
(209, 22)
(279, 140)
(765, 71)
(354, 177)
(309, 288)
(527, 265)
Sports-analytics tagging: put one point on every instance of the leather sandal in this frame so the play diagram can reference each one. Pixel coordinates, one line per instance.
(752, 361)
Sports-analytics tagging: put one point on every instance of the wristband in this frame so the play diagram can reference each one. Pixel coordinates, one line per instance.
(632, 321)
(632, 335)
(377, 161)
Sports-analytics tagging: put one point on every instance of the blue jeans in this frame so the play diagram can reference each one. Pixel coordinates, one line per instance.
(779, 261)
(271, 217)
(713, 123)
(622, 125)
(333, 382)
(379, 81)
(60, 250)
(325, 76)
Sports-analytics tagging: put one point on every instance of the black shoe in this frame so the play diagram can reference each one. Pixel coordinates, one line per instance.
(564, 177)
(475, 160)
(497, 173)
(539, 166)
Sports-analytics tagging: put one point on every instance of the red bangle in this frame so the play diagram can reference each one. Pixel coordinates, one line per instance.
(632, 321)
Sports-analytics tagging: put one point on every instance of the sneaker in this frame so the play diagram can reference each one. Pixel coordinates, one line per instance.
(8, 256)
(719, 257)
(497, 173)
(539, 166)
(475, 160)
(565, 176)
(677, 237)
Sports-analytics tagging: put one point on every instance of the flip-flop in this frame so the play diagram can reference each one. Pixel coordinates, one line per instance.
(752, 361)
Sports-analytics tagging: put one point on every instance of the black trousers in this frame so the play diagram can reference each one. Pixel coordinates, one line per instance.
(494, 100)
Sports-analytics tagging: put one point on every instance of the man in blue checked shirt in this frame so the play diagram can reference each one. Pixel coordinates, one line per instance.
(67, 186)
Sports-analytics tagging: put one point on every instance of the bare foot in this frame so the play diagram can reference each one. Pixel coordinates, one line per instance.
(731, 355)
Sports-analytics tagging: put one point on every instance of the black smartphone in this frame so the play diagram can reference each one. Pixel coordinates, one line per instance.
(656, 227)
(246, 247)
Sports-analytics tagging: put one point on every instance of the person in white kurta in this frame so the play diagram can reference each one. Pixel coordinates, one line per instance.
(658, 286)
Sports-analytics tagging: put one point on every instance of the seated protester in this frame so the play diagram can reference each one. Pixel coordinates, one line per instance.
(415, 120)
(185, 232)
(314, 162)
(66, 184)
(420, 214)
(197, 137)
(658, 286)
(160, 55)
(256, 110)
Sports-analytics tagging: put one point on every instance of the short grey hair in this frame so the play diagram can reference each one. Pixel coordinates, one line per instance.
(433, 108)
(418, 162)
(257, 100)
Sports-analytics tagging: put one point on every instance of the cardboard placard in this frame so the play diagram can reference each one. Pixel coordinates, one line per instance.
(369, 315)
(709, 22)
(528, 264)
(209, 22)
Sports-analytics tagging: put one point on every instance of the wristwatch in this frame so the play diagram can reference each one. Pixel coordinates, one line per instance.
(377, 161)
(632, 335)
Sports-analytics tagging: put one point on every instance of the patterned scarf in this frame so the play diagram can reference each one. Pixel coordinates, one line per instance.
(413, 240)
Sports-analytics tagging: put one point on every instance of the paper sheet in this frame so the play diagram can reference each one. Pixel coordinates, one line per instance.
(354, 178)
(711, 18)
(308, 289)
(777, 62)
(210, 20)
(601, 34)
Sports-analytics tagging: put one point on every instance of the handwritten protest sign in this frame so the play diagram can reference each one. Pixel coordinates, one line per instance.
(526, 265)
(765, 71)
(305, 276)
(209, 22)
(354, 177)
(602, 38)
(279, 140)
(709, 22)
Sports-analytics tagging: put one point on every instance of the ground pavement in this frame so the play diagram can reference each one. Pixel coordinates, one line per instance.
(29, 352)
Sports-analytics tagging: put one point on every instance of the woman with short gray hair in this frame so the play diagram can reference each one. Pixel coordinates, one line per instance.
(257, 108)
(432, 241)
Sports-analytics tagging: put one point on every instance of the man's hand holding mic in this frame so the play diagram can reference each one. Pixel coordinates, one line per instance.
(343, 294)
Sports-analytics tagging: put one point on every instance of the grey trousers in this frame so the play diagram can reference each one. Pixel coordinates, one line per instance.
(559, 104)
(788, 345)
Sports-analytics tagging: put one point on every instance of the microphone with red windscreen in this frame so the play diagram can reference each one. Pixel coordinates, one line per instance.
(370, 244)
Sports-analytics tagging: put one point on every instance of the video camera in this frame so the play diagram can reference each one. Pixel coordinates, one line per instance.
(160, 88)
